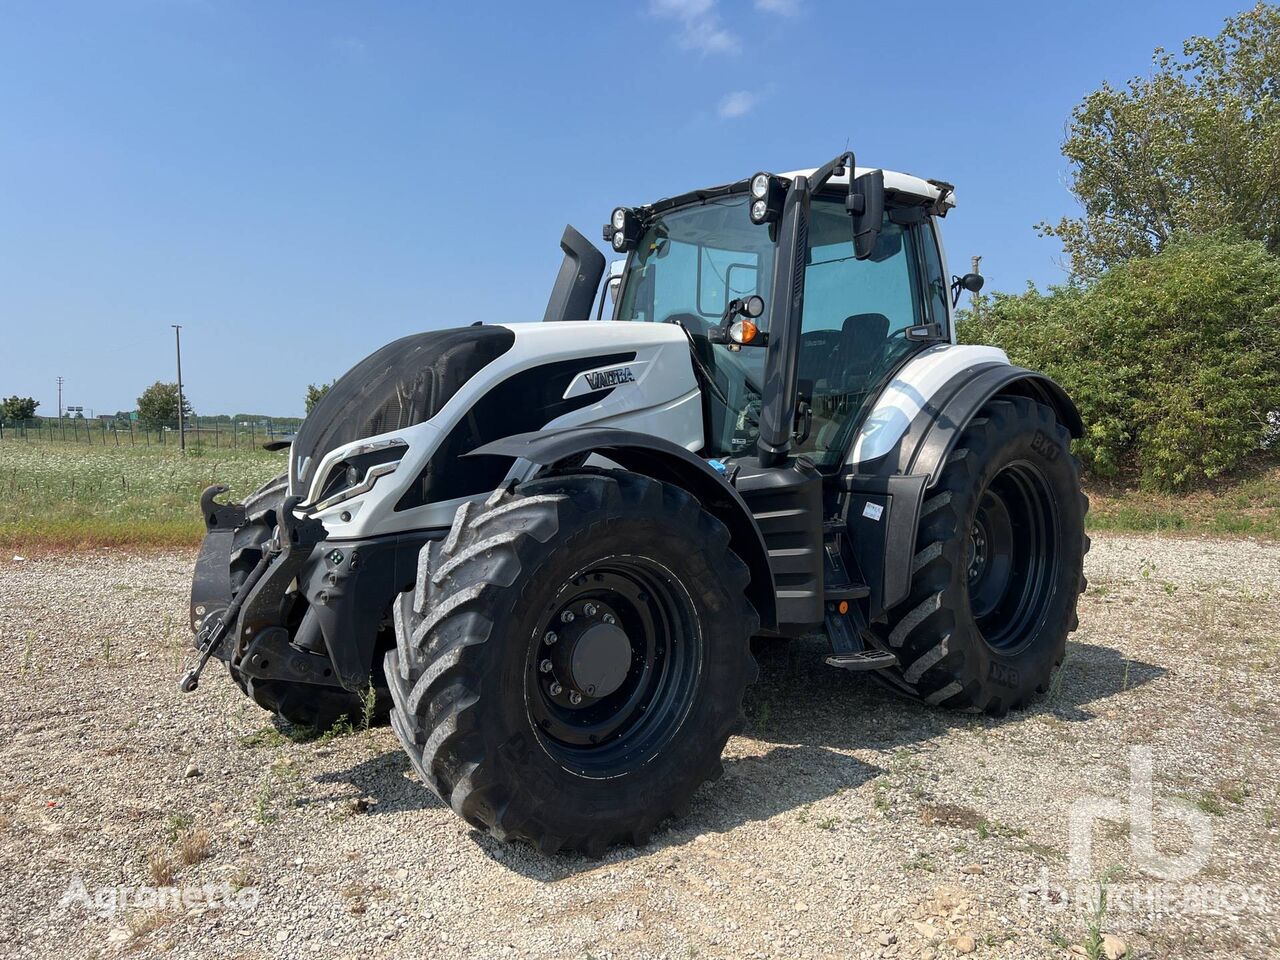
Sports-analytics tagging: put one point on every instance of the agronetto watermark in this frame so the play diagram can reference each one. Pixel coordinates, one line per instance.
(107, 901)
(1168, 886)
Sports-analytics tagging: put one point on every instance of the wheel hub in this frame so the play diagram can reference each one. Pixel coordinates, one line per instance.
(588, 657)
(600, 660)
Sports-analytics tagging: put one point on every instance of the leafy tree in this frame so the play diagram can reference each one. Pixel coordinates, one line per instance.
(1193, 147)
(314, 394)
(158, 406)
(19, 408)
(1173, 359)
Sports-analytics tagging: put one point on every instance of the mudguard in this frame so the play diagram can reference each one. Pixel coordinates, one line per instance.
(886, 493)
(669, 463)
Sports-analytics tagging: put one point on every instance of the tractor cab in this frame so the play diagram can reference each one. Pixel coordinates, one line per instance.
(699, 260)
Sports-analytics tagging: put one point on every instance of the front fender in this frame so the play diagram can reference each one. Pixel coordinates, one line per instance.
(666, 462)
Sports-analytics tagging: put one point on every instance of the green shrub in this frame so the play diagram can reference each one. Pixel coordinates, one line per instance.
(1174, 360)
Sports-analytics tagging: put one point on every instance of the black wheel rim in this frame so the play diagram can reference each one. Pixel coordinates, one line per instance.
(613, 666)
(1011, 558)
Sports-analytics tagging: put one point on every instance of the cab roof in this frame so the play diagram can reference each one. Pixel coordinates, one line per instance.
(932, 191)
(939, 195)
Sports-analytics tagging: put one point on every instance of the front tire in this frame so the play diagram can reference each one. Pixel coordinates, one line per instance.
(998, 565)
(573, 659)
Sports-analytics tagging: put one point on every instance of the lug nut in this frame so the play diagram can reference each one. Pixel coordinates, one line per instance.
(610, 618)
(589, 609)
(555, 688)
(550, 638)
(545, 666)
(575, 697)
(566, 616)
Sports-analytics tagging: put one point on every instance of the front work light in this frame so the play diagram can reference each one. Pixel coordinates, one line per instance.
(623, 229)
(767, 194)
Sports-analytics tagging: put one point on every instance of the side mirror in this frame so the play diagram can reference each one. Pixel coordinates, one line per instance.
(971, 282)
(615, 279)
(866, 205)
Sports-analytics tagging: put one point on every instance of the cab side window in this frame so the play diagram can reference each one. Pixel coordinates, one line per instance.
(937, 290)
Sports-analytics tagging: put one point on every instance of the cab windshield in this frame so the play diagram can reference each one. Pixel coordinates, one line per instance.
(688, 265)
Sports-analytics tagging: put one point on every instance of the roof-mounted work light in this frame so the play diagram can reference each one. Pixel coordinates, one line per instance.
(623, 229)
(767, 194)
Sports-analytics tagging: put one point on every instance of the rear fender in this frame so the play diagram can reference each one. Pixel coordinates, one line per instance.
(666, 462)
(886, 494)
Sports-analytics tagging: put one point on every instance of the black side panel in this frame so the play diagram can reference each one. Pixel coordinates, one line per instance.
(786, 503)
(523, 402)
(883, 513)
(404, 383)
(349, 585)
(669, 463)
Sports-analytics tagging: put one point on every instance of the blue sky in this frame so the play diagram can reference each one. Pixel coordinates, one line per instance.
(298, 183)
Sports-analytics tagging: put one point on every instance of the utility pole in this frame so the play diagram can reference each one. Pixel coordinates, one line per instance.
(182, 433)
(59, 405)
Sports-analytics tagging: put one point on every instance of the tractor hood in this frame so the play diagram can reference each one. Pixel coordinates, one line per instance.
(402, 384)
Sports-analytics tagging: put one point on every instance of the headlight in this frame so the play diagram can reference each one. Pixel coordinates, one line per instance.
(623, 229)
(357, 472)
(767, 195)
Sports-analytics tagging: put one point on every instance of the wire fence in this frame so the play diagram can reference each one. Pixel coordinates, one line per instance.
(200, 431)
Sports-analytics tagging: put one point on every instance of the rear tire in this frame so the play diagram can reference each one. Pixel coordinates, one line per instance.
(998, 565)
(506, 723)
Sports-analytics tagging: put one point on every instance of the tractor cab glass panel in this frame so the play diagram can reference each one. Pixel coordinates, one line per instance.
(854, 326)
(685, 269)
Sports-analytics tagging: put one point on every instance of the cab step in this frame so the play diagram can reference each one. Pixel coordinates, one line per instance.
(863, 660)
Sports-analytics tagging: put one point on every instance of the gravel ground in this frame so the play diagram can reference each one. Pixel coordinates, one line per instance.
(849, 823)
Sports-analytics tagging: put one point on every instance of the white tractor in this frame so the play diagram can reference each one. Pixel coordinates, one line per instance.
(544, 548)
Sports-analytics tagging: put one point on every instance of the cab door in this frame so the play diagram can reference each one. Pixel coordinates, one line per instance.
(862, 320)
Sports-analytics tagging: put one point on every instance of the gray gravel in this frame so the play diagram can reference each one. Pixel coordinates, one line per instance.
(849, 823)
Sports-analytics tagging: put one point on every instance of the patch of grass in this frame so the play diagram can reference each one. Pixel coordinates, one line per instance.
(880, 795)
(148, 921)
(370, 705)
(266, 737)
(176, 826)
(1246, 505)
(1209, 803)
(193, 847)
(341, 728)
(1093, 931)
(921, 861)
(161, 868)
(62, 495)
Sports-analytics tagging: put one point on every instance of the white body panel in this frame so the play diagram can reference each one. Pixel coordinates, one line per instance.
(909, 391)
(893, 180)
(660, 399)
